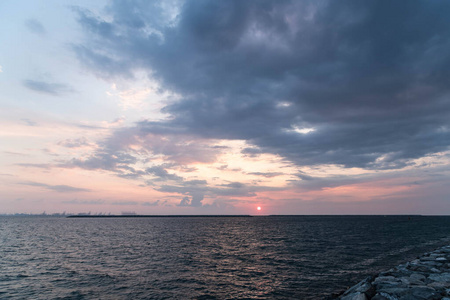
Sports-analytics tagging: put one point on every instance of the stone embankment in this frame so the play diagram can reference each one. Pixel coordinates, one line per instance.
(427, 277)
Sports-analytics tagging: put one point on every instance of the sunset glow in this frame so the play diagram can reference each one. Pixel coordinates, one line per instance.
(186, 111)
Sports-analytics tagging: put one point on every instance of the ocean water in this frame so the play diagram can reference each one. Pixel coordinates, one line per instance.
(301, 257)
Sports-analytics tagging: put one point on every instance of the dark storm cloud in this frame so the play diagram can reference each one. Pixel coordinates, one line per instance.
(370, 77)
(50, 88)
(56, 188)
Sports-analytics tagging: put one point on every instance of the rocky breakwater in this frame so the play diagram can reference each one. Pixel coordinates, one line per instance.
(427, 277)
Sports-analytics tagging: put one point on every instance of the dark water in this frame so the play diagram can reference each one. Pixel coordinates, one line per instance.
(204, 258)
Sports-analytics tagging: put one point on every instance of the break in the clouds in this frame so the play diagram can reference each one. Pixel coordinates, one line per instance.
(368, 80)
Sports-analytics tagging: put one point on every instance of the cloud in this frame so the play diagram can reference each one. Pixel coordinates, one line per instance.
(50, 88)
(370, 79)
(162, 174)
(29, 122)
(252, 152)
(125, 203)
(154, 203)
(266, 174)
(31, 165)
(56, 188)
(35, 27)
(194, 191)
(74, 143)
(84, 202)
(128, 146)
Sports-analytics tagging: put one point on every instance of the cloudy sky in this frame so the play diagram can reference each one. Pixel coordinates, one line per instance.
(218, 107)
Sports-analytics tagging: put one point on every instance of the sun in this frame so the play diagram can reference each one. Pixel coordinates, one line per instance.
(258, 208)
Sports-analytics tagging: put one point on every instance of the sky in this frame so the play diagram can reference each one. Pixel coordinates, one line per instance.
(220, 107)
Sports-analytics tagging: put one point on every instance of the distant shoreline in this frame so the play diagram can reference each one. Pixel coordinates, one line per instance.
(155, 216)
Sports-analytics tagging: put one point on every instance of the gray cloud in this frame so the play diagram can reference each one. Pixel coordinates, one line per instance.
(49, 88)
(125, 203)
(194, 191)
(84, 202)
(35, 27)
(56, 188)
(370, 78)
(266, 174)
(29, 122)
(162, 173)
(31, 165)
(154, 203)
(74, 143)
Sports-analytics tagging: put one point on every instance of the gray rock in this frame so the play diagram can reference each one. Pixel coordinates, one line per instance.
(420, 268)
(394, 291)
(439, 285)
(416, 276)
(434, 270)
(409, 297)
(425, 292)
(388, 285)
(362, 287)
(407, 281)
(379, 297)
(443, 277)
(387, 296)
(430, 263)
(385, 279)
(427, 258)
(355, 296)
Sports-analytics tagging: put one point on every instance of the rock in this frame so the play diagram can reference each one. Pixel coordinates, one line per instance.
(434, 270)
(379, 297)
(416, 276)
(408, 281)
(387, 296)
(439, 285)
(425, 278)
(363, 287)
(385, 279)
(427, 258)
(443, 277)
(395, 291)
(424, 292)
(355, 296)
(419, 268)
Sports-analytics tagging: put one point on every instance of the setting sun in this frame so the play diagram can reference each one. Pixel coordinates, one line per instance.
(258, 208)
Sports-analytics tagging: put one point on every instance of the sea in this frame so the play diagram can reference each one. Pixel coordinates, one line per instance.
(264, 257)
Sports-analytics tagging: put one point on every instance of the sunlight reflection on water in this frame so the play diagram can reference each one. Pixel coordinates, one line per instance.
(207, 258)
